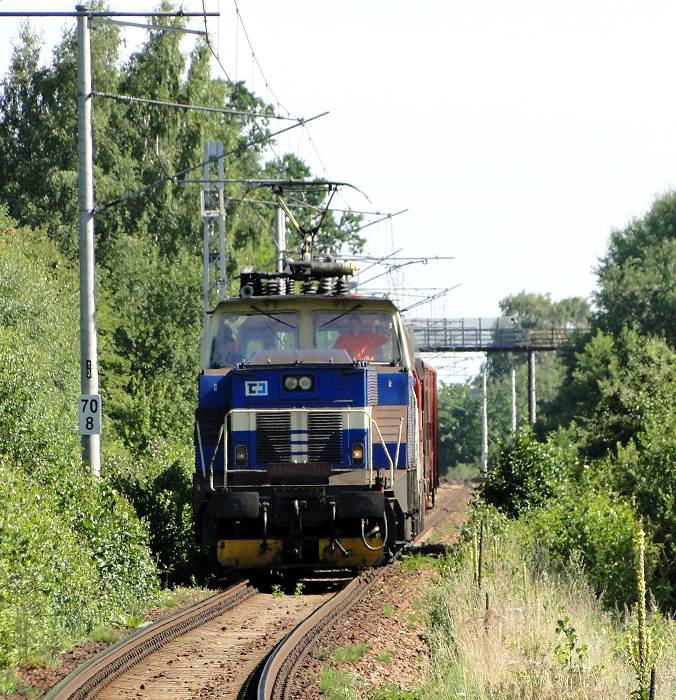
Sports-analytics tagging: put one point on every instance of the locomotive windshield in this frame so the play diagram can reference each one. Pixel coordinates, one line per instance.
(238, 336)
(365, 336)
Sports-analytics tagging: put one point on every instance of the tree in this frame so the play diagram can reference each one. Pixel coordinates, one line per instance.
(637, 276)
(459, 425)
(531, 310)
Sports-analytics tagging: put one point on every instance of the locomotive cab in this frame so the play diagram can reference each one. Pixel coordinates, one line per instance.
(308, 434)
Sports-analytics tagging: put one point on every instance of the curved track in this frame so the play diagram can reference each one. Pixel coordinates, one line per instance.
(88, 680)
(271, 677)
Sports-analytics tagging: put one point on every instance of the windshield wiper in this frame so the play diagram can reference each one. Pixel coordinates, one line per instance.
(345, 313)
(273, 317)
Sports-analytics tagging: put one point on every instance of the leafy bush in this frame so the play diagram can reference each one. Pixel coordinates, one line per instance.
(158, 483)
(644, 472)
(73, 554)
(602, 529)
(527, 473)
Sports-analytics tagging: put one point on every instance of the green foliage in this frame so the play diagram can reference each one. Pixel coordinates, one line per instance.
(599, 527)
(616, 385)
(459, 425)
(392, 691)
(644, 472)
(337, 683)
(527, 473)
(568, 652)
(350, 653)
(73, 554)
(637, 276)
(158, 484)
(384, 657)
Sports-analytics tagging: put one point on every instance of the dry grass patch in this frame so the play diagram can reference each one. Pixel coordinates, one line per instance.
(529, 634)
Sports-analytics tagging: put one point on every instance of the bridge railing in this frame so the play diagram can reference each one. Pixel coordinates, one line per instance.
(485, 335)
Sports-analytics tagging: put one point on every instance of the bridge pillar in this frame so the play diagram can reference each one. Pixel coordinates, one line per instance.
(531, 387)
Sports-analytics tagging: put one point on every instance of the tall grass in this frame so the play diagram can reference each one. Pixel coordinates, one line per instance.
(529, 633)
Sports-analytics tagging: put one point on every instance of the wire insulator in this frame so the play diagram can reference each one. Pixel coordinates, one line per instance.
(341, 287)
(324, 286)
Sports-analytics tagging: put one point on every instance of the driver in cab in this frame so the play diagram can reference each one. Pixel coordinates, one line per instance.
(360, 341)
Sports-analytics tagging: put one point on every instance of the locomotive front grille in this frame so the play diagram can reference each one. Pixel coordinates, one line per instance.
(310, 437)
(273, 437)
(325, 437)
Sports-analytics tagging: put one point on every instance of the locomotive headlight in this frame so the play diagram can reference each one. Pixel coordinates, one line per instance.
(290, 383)
(295, 382)
(305, 383)
(241, 454)
(357, 454)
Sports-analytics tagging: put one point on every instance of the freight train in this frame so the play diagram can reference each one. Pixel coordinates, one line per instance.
(315, 434)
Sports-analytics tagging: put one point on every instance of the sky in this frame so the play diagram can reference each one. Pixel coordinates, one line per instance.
(517, 134)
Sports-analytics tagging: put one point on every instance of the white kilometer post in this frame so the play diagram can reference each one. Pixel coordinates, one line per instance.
(89, 373)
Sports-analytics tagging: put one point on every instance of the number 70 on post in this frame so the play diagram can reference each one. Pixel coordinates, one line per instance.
(89, 411)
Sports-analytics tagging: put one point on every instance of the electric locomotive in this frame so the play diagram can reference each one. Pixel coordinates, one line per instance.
(315, 434)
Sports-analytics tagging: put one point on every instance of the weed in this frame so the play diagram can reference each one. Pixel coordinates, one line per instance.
(384, 657)
(388, 610)
(415, 562)
(391, 691)
(337, 683)
(181, 595)
(298, 590)
(132, 621)
(350, 653)
(321, 654)
(412, 620)
(277, 591)
(106, 634)
(643, 651)
(8, 682)
(12, 685)
(567, 652)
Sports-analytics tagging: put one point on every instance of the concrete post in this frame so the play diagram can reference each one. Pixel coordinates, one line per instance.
(513, 399)
(531, 387)
(484, 423)
(90, 403)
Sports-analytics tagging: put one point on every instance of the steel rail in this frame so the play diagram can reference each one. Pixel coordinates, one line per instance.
(92, 676)
(271, 679)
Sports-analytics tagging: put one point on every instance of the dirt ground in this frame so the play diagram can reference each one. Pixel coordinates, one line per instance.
(386, 627)
(214, 660)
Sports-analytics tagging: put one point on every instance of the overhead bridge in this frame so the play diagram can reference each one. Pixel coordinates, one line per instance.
(502, 334)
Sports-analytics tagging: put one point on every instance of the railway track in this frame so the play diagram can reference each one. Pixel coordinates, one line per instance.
(88, 680)
(111, 673)
(271, 679)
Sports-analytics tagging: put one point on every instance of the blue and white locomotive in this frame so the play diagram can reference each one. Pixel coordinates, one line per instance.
(316, 425)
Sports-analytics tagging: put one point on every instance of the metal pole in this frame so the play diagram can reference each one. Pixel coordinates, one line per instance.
(513, 399)
(222, 248)
(531, 386)
(484, 424)
(280, 236)
(89, 375)
(205, 262)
